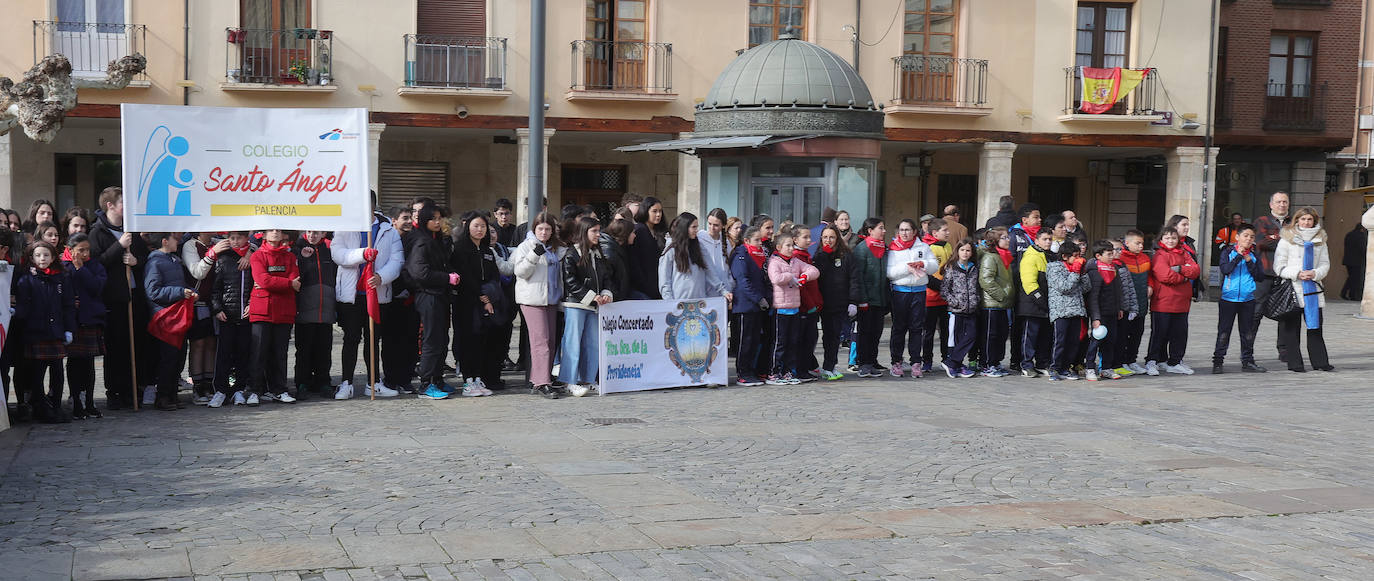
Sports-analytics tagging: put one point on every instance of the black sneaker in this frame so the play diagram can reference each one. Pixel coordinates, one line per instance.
(1218, 369)
(1252, 367)
(748, 381)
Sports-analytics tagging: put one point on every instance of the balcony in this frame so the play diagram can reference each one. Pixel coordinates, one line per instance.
(295, 59)
(1226, 104)
(621, 71)
(1138, 106)
(90, 46)
(455, 65)
(939, 85)
(1290, 107)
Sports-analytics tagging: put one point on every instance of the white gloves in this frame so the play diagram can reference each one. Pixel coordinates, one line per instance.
(853, 310)
(67, 338)
(1130, 317)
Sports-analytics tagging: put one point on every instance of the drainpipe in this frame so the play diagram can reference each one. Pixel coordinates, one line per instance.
(536, 145)
(858, 20)
(185, 49)
(1205, 245)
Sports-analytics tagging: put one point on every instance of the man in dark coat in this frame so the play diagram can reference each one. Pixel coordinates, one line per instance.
(1354, 262)
(115, 249)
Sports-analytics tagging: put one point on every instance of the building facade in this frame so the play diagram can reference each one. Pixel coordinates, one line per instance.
(1286, 102)
(978, 98)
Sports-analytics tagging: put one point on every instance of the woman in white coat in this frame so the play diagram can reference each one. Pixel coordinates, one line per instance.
(683, 272)
(909, 264)
(538, 289)
(1302, 257)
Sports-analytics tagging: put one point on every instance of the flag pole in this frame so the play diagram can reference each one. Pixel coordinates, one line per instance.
(133, 359)
(371, 332)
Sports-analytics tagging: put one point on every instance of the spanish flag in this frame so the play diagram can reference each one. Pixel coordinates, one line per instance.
(1102, 88)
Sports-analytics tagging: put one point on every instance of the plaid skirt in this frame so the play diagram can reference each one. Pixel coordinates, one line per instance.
(45, 350)
(87, 342)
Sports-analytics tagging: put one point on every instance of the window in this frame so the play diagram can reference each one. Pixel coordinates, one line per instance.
(91, 33)
(930, 27)
(769, 18)
(270, 45)
(1290, 64)
(1103, 35)
(615, 51)
(398, 182)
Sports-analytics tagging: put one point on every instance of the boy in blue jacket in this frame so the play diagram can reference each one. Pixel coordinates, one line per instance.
(1240, 271)
(752, 291)
(165, 280)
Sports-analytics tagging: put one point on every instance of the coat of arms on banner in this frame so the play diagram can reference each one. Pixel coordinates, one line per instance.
(692, 339)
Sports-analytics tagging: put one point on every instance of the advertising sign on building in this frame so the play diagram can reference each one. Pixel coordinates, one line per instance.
(192, 169)
(668, 343)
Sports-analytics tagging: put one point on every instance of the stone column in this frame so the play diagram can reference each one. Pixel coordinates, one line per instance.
(689, 183)
(994, 179)
(522, 185)
(374, 152)
(1183, 192)
(6, 194)
(1367, 302)
(1309, 185)
(1350, 177)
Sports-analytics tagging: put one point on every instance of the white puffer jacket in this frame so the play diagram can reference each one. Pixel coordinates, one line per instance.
(1288, 258)
(347, 250)
(897, 261)
(532, 274)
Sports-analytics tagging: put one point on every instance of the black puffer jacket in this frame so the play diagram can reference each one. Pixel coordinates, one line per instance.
(427, 262)
(615, 253)
(583, 281)
(840, 284)
(318, 272)
(106, 249)
(232, 287)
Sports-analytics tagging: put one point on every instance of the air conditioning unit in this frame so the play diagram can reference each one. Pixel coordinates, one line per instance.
(1366, 122)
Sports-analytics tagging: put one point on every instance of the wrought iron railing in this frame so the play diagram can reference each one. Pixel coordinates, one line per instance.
(1295, 107)
(1226, 104)
(90, 46)
(1140, 101)
(293, 56)
(599, 65)
(455, 62)
(939, 80)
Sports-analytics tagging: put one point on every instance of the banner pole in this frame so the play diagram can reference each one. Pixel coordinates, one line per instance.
(371, 332)
(133, 358)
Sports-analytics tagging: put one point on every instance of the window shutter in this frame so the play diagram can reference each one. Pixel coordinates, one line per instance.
(402, 181)
(452, 17)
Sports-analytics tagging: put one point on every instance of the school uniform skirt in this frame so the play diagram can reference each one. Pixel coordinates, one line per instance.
(45, 350)
(87, 342)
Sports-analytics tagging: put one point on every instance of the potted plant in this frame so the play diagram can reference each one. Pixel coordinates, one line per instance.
(299, 69)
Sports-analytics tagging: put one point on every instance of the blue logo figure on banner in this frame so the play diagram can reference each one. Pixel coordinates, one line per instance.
(162, 189)
(692, 338)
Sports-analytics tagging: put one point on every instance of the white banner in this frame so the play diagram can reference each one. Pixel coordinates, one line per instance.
(195, 169)
(657, 344)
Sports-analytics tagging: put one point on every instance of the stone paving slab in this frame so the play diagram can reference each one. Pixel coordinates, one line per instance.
(567, 540)
(393, 550)
(470, 545)
(103, 565)
(268, 557)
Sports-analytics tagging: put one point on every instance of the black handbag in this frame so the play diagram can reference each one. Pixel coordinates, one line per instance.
(1282, 300)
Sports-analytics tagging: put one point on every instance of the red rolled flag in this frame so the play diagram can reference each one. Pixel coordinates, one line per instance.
(374, 306)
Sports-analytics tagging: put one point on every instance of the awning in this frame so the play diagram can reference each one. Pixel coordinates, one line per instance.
(694, 143)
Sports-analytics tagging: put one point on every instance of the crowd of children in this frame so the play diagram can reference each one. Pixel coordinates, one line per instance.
(1068, 309)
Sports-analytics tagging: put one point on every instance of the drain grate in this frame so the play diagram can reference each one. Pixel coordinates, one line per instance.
(610, 421)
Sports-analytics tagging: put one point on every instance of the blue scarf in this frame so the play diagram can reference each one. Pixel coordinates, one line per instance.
(1311, 311)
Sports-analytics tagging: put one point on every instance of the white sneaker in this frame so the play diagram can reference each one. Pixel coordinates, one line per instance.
(149, 394)
(216, 400)
(482, 385)
(1180, 369)
(897, 369)
(1151, 368)
(1092, 375)
(1135, 368)
(238, 398)
(252, 399)
(345, 391)
(579, 389)
(380, 390)
(471, 389)
(285, 398)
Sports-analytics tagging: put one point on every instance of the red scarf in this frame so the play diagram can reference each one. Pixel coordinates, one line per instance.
(930, 239)
(802, 254)
(241, 250)
(1178, 249)
(827, 249)
(1032, 230)
(50, 270)
(898, 244)
(757, 253)
(1005, 255)
(875, 246)
(1108, 272)
(1246, 252)
(1075, 265)
(67, 254)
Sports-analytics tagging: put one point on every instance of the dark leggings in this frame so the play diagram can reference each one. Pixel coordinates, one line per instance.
(55, 379)
(936, 320)
(1290, 329)
(908, 324)
(995, 336)
(870, 332)
(1168, 337)
(81, 379)
(353, 320)
(832, 324)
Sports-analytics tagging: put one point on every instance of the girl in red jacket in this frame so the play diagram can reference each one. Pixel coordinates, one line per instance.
(1172, 273)
(271, 310)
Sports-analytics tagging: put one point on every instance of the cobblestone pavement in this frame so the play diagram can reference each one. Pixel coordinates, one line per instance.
(1238, 476)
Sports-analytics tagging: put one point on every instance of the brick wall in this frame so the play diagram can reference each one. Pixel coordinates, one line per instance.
(1249, 24)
